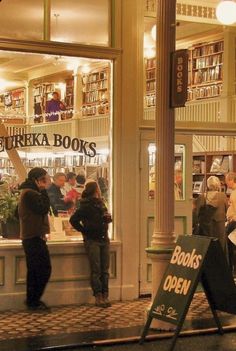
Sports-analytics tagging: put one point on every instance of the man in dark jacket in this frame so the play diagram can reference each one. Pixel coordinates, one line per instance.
(55, 195)
(33, 211)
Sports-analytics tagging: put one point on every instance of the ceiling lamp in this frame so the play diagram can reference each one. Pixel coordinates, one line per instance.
(226, 11)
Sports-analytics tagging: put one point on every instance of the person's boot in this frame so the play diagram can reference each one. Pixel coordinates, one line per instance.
(106, 300)
(99, 302)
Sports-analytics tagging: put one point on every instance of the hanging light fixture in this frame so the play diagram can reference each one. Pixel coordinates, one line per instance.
(226, 11)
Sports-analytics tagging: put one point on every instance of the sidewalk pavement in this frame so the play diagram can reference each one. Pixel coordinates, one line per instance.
(88, 325)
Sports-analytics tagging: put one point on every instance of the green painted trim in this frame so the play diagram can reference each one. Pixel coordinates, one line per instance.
(74, 278)
(112, 23)
(148, 221)
(2, 283)
(16, 271)
(149, 265)
(113, 259)
(175, 217)
(185, 223)
(158, 250)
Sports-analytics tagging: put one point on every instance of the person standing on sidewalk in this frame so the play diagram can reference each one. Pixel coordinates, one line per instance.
(92, 219)
(33, 208)
(231, 215)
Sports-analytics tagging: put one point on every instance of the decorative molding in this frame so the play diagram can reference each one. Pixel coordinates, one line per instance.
(150, 229)
(65, 268)
(204, 12)
(185, 9)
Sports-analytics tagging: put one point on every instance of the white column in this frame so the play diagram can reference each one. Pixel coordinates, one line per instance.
(163, 236)
(77, 94)
(29, 101)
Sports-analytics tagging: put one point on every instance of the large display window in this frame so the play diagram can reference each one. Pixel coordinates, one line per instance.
(55, 111)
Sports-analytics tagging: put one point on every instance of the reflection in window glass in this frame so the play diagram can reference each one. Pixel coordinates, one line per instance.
(84, 21)
(179, 183)
(151, 167)
(21, 19)
(178, 172)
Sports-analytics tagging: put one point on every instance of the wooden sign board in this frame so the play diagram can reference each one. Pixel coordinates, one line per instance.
(195, 258)
(180, 279)
(179, 78)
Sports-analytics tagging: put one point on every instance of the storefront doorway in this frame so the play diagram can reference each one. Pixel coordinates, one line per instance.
(183, 202)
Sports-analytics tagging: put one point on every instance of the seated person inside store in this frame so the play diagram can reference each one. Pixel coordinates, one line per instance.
(70, 189)
(58, 202)
(54, 107)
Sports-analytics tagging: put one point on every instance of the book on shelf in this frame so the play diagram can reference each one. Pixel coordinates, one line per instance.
(224, 168)
(196, 166)
(216, 164)
(198, 187)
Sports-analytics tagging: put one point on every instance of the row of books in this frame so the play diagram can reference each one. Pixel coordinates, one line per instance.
(219, 164)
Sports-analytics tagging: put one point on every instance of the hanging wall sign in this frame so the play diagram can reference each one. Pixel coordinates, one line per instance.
(41, 139)
(179, 78)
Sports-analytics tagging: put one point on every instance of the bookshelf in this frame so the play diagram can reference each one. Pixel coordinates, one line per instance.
(69, 98)
(205, 70)
(150, 88)
(42, 94)
(211, 164)
(199, 170)
(53, 164)
(95, 87)
(13, 100)
(18, 100)
(205, 73)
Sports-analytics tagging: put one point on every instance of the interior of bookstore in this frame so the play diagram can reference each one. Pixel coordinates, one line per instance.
(61, 107)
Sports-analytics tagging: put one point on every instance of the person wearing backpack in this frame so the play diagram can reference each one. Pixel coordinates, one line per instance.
(211, 212)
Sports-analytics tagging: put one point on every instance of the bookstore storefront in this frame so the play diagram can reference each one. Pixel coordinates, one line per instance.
(78, 138)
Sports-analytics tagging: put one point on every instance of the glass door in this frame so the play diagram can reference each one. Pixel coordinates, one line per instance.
(182, 195)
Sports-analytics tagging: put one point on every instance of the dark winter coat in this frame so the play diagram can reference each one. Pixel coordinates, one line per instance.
(56, 199)
(91, 219)
(33, 208)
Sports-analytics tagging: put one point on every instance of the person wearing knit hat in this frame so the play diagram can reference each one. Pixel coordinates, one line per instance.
(33, 209)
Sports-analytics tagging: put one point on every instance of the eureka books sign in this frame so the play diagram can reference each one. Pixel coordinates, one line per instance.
(41, 139)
